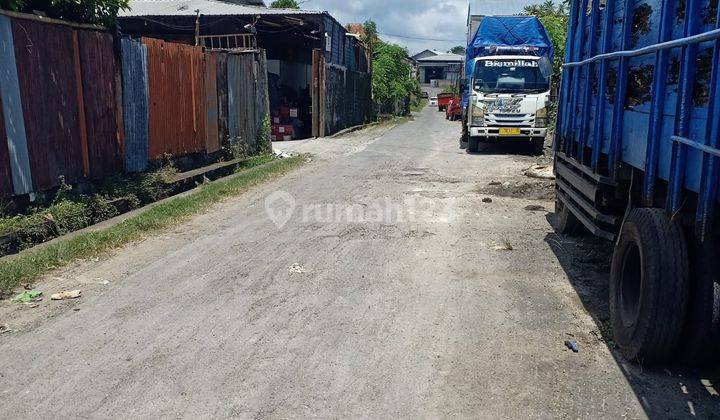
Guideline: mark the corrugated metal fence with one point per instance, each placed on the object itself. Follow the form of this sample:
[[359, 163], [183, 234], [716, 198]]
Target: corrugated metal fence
[[135, 104], [247, 99], [101, 84], [62, 115], [348, 100], [72, 109], [6, 187], [176, 80]]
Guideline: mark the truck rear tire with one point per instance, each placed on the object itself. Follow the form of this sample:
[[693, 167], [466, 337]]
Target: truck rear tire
[[473, 144], [649, 287], [565, 221], [700, 341]]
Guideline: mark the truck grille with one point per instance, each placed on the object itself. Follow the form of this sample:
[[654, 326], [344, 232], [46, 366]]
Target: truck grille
[[509, 120]]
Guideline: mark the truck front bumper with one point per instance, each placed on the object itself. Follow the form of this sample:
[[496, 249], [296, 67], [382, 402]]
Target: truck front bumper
[[494, 132]]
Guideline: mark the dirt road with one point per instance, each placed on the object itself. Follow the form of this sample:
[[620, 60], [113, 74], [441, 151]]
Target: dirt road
[[373, 282]]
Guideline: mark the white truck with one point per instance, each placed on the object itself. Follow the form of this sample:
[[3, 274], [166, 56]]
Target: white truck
[[507, 83]]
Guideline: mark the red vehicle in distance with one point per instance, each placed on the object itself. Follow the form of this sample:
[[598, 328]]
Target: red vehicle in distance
[[454, 110], [443, 100]]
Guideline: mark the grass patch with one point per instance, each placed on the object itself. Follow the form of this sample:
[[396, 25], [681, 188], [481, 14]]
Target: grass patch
[[418, 105], [64, 210], [31, 264], [606, 334], [254, 161]]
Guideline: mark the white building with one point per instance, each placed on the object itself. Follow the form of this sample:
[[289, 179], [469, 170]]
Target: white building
[[445, 68]]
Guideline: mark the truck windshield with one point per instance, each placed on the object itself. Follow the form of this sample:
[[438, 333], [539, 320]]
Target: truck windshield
[[509, 76]]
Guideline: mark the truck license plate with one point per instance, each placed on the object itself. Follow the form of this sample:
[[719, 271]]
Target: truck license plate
[[509, 131]]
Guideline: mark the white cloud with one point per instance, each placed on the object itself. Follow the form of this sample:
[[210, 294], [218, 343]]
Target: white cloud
[[441, 23]]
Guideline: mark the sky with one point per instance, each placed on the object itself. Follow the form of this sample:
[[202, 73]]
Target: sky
[[439, 24]]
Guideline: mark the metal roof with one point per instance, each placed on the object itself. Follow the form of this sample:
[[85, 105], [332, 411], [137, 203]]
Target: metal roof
[[206, 7], [250, 2], [452, 58]]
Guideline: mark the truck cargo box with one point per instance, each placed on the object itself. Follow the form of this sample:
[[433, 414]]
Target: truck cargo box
[[636, 162]]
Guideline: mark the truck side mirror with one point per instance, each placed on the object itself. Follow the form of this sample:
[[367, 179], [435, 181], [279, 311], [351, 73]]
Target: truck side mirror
[[479, 84]]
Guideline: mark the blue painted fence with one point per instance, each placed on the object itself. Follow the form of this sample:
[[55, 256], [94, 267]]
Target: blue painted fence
[[13, 112], [135, 104]]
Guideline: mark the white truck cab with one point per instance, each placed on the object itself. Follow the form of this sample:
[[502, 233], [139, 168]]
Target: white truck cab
[[509, 98]]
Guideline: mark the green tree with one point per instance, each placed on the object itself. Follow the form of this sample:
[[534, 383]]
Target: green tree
[[391, 81], [554, 16], [285, 4], [391, 77], [458, 50], [14, 5], [99, 12], [370, 35]]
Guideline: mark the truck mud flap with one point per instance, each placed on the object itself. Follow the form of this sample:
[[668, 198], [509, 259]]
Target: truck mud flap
[[577, 187]]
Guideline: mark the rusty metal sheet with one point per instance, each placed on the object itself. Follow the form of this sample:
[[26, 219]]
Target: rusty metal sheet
[[14, 125], [222, 95], [211, 112], [48, 88], [177, 98], [82, 126], [6, 187], [99, 67]]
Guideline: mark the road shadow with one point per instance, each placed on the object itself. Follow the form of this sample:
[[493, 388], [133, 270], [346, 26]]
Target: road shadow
[[667, 392], [504, 148]]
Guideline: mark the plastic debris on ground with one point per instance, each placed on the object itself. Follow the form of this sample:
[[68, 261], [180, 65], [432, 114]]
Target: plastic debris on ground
[[297, 269], [282, 154], [27, 296], [540, 172], [67, 294], [572, 345]]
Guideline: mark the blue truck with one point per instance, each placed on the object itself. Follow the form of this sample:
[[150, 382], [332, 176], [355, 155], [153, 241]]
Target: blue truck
[[637, 162], [507, 91]]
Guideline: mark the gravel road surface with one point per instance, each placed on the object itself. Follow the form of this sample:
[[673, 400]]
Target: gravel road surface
[[394, 275]]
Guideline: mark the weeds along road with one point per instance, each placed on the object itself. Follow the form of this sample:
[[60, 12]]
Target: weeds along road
[[383, 286]]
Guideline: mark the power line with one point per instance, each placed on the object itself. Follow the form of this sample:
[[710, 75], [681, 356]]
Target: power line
[[422, 39]]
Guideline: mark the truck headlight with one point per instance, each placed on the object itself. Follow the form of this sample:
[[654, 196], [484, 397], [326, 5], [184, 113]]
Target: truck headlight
[[478, 115], [541, 118]]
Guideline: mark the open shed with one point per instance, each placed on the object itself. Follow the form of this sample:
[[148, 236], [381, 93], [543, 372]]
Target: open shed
[[301, 46]]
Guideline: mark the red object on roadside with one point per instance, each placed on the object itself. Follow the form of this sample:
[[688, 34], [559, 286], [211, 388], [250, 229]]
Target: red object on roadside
[[454, 110], [285, 129], [443, 100]]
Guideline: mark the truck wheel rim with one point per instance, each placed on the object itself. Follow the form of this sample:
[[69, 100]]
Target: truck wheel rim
[[631, 285]]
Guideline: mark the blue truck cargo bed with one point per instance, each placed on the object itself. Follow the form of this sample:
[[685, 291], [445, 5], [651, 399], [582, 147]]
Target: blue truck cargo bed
[[637, 162], [640, 90]]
